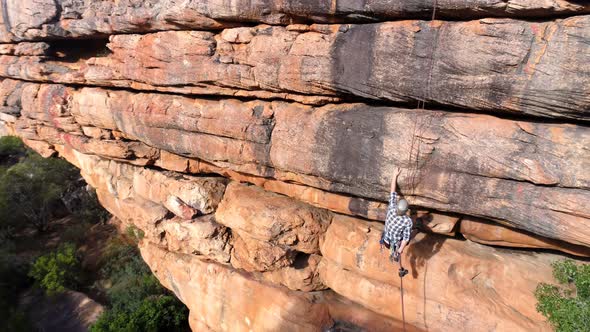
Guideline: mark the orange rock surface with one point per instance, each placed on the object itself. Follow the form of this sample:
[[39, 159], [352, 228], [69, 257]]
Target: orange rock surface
[[470, 286], [251, 144], [310, 146], [228, 300]]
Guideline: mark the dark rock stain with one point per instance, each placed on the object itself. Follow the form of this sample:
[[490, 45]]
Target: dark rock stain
[[354, 140], [5, 17], [352, 54], [358, 206]]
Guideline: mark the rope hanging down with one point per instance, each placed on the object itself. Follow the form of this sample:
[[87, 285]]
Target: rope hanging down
[[401, 282], [418, 129], [413, 174]]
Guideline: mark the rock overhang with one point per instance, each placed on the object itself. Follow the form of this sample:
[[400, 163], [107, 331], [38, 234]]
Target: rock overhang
[[258, 157]]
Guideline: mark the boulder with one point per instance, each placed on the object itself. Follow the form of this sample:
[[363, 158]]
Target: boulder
[[191, 194], [259, 255], [272, 218], [200, 236], [137, 215], [302, 275]]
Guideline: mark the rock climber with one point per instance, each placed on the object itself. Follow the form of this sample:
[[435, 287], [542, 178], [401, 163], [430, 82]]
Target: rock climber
[[398, 225]]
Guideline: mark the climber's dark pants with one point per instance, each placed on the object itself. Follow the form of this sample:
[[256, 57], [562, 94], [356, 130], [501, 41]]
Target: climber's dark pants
[[396, 257]]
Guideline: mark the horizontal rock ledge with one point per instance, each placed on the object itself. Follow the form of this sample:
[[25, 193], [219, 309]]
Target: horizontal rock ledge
[[545, 73], [494, 234], [49, 19], [238, 212], [529, 175], [439, 223]]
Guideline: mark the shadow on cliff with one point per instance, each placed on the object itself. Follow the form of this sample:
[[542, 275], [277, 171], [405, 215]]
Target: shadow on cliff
[[419, 252], [422, 250]]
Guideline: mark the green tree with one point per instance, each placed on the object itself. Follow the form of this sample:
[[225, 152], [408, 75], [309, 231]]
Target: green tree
[[130, 278], [567, 305], [30, 189], [57, 271]]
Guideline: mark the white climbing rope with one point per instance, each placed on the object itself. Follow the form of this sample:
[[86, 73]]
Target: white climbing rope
[[413, 175]]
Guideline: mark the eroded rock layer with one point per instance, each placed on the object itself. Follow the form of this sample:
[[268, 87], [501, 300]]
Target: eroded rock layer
[[252, 143], [521, 164], [455, 64], [39, 19]]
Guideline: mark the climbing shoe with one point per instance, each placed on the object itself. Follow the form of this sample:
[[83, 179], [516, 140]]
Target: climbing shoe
[[402, 272]]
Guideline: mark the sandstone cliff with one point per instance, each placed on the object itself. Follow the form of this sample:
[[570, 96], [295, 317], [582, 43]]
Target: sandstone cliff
[[253, 142]]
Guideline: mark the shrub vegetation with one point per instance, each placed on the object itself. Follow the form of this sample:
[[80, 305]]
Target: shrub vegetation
[[567, 305], [32, 188], [137, 300], [33, 191], [11, 146], [57, 271], [13, 279]]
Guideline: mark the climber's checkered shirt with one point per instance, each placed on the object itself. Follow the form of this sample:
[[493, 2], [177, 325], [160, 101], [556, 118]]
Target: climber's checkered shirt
[[397, 228]]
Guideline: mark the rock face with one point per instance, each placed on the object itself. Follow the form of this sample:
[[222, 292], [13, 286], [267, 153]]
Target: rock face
[[473, 288], [34, 19], [324, 63], [252, 144], [312, 146]]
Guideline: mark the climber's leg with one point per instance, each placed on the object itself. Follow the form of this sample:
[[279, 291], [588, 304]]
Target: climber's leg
[[402, 270]]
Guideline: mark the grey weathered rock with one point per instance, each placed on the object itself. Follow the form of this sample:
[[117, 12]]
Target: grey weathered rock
[[40, 19]]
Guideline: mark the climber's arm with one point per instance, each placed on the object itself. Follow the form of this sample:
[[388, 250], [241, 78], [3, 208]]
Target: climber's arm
[[392, 207], [396, 173], [402, 246]]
